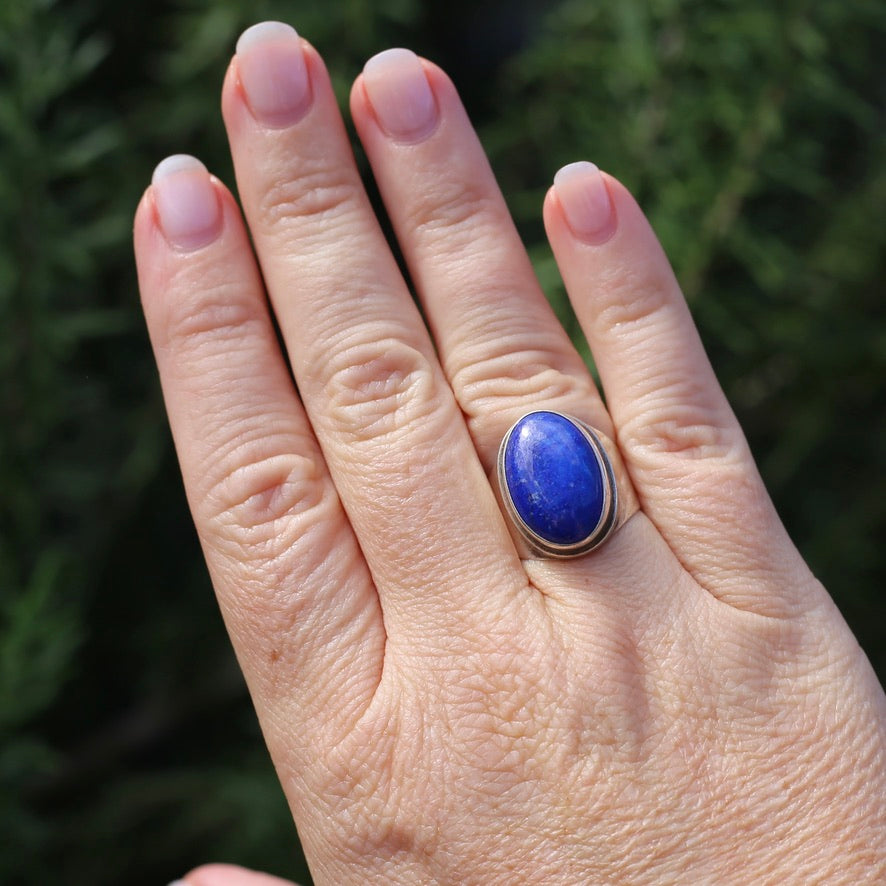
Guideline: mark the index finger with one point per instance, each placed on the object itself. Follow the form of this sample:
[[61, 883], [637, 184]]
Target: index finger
[[264, 505]]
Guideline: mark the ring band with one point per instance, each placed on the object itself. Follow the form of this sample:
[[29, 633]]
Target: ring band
[[563, 488]]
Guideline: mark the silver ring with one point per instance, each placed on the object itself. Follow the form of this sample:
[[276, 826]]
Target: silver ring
[[560, 486]]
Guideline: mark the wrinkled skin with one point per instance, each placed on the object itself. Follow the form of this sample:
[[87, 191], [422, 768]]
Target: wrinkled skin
[[683, 705]]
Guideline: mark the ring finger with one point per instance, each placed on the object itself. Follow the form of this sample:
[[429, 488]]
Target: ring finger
[[502, 347]]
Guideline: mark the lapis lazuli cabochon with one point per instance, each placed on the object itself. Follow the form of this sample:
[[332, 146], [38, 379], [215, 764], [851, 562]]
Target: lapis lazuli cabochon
[[554, 478]]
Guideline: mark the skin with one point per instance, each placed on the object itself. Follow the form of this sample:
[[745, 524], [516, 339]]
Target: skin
[[683, 705]]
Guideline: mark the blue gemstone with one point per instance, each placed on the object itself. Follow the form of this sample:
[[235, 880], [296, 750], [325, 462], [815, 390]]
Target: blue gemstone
[[554, 478]]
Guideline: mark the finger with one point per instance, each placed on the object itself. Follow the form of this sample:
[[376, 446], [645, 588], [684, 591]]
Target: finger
[[687, 455], [502, 347], [229, 875], [390, 430], [297, 598]]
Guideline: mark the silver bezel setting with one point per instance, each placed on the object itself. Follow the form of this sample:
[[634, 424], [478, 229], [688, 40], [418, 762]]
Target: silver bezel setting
[[609, 513]]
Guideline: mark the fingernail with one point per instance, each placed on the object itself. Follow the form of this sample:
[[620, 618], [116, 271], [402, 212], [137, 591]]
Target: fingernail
[[400, 94], [585, 200], [272, 69], [186, 201]]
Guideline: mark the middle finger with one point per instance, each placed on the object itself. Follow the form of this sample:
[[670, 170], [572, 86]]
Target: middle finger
[[389, 427]]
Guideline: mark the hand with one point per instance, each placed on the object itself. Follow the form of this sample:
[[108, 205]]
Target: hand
[[684, 704]]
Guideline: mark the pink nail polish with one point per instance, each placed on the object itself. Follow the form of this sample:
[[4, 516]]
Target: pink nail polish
[[400, 95], [273, 73], [186, 201], [586, 202]]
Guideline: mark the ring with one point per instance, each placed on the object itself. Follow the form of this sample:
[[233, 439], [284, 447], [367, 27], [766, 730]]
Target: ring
[[563, 488]]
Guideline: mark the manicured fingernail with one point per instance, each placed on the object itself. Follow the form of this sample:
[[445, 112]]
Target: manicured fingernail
[[400, 94], [586, 202], [186, 201], [178, 883], [271, 64]]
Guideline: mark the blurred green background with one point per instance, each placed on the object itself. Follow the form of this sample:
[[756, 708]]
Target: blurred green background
[[751, 132]]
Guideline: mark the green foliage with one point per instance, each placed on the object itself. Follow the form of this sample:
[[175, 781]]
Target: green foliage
[[752, 134]]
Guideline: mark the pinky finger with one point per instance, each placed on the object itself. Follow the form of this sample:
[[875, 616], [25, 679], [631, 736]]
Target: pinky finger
[[682, 444]]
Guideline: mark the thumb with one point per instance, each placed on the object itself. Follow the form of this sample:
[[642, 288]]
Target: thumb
[[228, 875]]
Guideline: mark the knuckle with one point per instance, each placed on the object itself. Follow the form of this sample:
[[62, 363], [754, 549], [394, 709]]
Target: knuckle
[[518, 374], [320, 191], [270, 523], [453, 207], [684, 430], [256, 504], [378, 388], [628, 297], [208, 311], [497, 385]]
